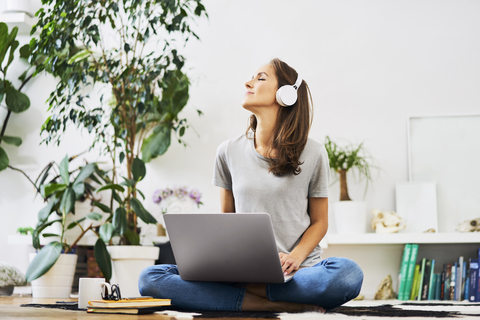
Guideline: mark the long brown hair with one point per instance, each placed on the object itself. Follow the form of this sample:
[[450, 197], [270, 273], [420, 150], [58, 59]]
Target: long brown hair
[[292, 125]]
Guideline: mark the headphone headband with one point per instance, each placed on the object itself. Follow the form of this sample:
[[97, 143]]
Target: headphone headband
[[298, 82]]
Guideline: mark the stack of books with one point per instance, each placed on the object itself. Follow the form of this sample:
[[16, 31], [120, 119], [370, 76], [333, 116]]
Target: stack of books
[[458, 280], [142, 305]]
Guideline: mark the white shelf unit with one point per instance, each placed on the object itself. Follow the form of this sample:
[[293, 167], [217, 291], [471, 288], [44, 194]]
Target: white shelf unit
[[402, 238], [22, 20]]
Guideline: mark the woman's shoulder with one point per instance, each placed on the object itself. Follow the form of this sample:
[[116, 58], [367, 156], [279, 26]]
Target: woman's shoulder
[[233, 143], [315, 147]]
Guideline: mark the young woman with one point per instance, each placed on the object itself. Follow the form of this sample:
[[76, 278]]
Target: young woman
[[273, 168]]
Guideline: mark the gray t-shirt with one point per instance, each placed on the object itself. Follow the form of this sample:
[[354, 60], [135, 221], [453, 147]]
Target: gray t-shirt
[[241, 169]]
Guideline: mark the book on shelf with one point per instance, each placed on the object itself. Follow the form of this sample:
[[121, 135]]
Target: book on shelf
[[448, 281], [411, 271], [129, 303], [402, 277], [139, 310], [442, 285], [438, 287], [416, 283], [420, 279], [458, 278], [431, 284], [453, 282], [426, 279], [477, 295]]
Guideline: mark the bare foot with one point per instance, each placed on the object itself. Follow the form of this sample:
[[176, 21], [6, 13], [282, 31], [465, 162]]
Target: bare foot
[[252, 302]]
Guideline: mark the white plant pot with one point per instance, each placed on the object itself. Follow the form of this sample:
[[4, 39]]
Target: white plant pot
[[19, 6], [350, 216], [127, 263], [57, 282]]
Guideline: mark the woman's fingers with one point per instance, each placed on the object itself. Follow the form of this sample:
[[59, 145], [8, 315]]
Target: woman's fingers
[[288, 264]]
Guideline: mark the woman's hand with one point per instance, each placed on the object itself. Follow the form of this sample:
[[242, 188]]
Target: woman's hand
[[289, 262]]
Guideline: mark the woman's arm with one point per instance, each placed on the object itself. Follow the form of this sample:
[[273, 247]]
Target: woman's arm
[[318, 210], [227, 202]]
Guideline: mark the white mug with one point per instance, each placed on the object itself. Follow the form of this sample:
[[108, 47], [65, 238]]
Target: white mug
[[89, 289]]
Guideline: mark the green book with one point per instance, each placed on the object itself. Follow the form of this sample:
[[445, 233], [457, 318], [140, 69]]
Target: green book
[[411, 272], [416, 282], [403, 271], [438, 289], [432, 285], [420, 282]]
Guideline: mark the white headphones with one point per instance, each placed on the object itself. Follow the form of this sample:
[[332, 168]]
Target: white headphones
[[287, 95]]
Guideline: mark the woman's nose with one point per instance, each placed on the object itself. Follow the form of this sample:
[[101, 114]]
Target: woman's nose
[[248, 84]]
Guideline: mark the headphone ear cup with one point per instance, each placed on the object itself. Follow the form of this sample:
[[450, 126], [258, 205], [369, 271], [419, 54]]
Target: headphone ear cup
[[286, 96]]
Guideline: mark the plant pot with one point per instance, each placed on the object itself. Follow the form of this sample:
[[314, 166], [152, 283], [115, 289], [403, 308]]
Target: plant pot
[[57, 282], [127, 263], [350, 216]]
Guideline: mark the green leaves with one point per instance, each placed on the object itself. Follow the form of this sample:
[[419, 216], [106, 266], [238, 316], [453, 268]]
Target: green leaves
[[111, 187], [16, 141], [106, 231], [3, 159], [7, 42], [103, 259], [81, 55], [16, 101], [157, 143], [141, 212], [44, 260], [67, 203], [120, 220], [64, 170], [138, 169], [85, 173], [347, 158]]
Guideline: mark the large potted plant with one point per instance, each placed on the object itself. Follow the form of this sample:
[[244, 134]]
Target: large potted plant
[[122, 51], [52, 269], [350, 216]]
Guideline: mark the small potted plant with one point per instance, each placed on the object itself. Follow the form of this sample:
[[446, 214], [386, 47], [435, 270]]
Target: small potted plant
[[55, 261], [351, 216]]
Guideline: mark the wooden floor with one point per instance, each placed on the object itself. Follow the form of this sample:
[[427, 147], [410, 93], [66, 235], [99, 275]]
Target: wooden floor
[[10, 309]]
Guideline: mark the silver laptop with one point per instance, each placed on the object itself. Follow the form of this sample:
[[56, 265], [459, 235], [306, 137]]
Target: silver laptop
[[225, 247]]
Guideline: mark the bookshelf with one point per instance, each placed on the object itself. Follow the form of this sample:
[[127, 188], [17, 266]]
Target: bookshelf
[[379, 255], [402, 238]]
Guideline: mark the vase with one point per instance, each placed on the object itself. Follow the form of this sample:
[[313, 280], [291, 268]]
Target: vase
[[127, 264], [58, 281], [350, 216]]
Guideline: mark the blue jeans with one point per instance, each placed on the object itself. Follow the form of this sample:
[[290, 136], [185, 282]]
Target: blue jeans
[[328, 284]]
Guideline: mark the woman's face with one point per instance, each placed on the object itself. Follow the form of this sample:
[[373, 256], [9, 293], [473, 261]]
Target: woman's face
[[261, 89]]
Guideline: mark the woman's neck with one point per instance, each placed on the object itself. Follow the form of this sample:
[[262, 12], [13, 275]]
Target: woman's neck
[[264, 136]]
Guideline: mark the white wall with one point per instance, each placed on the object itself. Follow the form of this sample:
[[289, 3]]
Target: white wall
[[369, 65]]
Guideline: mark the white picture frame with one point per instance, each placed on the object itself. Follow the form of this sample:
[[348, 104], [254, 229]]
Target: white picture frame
[[445, 149], [417, 203]]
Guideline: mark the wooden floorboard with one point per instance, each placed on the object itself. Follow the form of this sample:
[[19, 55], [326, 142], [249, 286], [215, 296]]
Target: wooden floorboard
[[10, 309]]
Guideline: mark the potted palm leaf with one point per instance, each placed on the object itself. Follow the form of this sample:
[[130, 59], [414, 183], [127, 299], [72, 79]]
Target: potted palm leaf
[[350, 216], [52, 269], [123, 52]]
